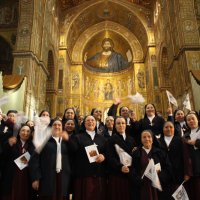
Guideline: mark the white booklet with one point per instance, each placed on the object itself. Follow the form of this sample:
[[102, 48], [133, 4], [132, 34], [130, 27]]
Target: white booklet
[[158, 167], [92, 152], [125, 158], [22, 161]]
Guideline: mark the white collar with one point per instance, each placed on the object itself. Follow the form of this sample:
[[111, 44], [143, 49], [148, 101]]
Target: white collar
[[168, 139], [57, 139], [91, 133], [123, 135], [110, 133], [23, 143], [98, 124], [182, 123], [151, 118], [194, 135], [128, 121], [146, 150], [58, 154]]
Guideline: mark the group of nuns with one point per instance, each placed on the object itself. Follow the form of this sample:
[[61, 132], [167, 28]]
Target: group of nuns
[[62, 170]]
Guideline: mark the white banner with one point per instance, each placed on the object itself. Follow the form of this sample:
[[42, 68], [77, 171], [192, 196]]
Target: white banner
[[187, 103], [124, 157], [151, 173], [171, 98], [180, 194]]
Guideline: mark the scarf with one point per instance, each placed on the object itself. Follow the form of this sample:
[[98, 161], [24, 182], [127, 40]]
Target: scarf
[[58, 154]]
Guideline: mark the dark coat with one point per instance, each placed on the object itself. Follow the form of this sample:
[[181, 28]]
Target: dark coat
[[43, 168], [106, 133], [194, 182], [178, 154], [82, 167], [10, 153], [101, 128], [158, 156], [113, 110], [144, 124], [113, 161], [130, 128], [177, 127], [6, 131], [194, 154], [156, 127]]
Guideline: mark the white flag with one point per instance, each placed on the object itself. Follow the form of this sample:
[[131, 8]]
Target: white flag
[[151, 173], [187, 103], [4, 100], [180, 194], [124, 157], [21, 118], [42, 132], [171, 98], [137, 98]]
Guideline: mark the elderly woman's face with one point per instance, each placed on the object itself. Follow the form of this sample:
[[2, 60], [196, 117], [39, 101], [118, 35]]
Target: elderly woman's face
[[179, 116], [147, 139], [120, 125], [192, 121], [168, 129], [57, 128], [90, 123], [97, 114], [110, 122]]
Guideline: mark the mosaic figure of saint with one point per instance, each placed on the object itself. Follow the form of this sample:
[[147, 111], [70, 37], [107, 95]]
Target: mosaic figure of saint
[[107, 60]]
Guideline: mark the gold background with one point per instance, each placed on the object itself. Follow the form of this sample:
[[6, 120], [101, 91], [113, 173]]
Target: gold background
[[52, 37]]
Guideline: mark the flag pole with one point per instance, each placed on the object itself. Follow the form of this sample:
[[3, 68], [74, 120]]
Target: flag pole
[[183, 182]]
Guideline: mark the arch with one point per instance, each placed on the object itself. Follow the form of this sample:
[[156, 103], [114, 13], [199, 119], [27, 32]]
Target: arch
[[70, 29], [82, 41], [6, 57]]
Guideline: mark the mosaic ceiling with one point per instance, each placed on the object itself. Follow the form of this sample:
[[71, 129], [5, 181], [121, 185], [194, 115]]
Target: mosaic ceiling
[[78, 16], [67, 4]]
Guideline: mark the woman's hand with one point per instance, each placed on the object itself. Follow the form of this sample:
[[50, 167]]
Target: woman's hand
[[169, 110], [65, 136], [133, 116], [35, 184], [191, 142], [125, 169], [186, 178], [12, 141], [100, 158], [117, 101]]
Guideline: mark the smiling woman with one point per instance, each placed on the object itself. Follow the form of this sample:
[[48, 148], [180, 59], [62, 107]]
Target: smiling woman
[[178, 154], [15, 182], [151, 121], [50, 170], [89, 182], [192, 137], [141, 158], [119, 173]]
